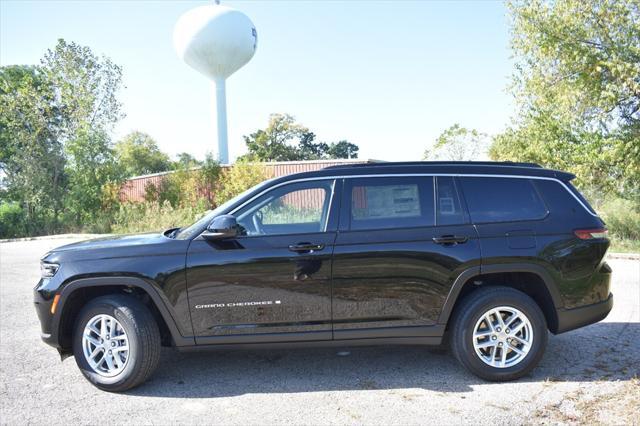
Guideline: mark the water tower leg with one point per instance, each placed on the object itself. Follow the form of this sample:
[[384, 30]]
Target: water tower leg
[[221, 111]]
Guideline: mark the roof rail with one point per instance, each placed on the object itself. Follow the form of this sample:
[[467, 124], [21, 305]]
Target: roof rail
[[437, 163]]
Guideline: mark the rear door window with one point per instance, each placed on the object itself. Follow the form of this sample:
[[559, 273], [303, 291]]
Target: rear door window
[[502, 199], [387, 203]]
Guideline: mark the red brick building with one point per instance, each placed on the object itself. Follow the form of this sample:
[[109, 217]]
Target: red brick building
[[134, 188]]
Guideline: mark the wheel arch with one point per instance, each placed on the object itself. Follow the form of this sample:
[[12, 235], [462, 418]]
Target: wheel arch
[[520, 276], [76, 292]]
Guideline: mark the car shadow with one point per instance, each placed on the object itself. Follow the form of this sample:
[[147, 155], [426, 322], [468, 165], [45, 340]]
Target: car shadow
[[603, 351]]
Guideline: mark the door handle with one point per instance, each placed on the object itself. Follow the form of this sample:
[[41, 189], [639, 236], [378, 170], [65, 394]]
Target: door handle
[[306, 247], [448, 240]]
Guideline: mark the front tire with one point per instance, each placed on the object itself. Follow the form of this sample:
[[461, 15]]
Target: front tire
[[499, 333], [116, 342]]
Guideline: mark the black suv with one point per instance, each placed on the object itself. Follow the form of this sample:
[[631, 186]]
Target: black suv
[[487, 255]]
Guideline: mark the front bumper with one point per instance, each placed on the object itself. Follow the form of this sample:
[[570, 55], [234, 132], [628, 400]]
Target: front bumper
[[42, 301], [570, 319]]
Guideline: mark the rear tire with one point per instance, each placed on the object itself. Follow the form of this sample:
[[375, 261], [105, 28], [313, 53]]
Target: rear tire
[[116, 342], [484, 344]]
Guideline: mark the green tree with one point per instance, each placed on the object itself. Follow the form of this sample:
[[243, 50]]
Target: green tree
[[276, 142], [85, 91], [86, 87], [309, 149], [209, 177], [342, 149], [138, 154], [286, 140], [184, 159], [31, 151], [457, 143], [55, 121], [91, 166], [577, 85]]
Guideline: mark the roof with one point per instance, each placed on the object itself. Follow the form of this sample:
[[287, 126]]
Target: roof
[[439, 167], [446, 163]]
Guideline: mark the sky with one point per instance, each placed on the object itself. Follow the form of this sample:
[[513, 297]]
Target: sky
[[389, 76]]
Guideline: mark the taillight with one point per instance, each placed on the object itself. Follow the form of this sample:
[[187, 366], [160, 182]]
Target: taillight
[[591, 234]]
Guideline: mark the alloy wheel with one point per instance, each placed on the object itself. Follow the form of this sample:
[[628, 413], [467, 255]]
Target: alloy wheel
[[502, 337], [105, 345]]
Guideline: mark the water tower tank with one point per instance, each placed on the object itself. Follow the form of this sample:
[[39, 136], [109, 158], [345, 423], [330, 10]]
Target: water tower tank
[[216, 41]]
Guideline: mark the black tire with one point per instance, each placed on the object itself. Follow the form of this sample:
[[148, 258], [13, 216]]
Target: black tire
[[469, 312], [143, 335]]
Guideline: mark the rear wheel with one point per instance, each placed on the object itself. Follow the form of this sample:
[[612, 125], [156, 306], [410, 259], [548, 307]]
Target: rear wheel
[[499, 333], [116, 342]]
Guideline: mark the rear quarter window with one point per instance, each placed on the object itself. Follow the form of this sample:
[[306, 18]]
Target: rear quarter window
[[581, 197], [561, 200], [502, 199]]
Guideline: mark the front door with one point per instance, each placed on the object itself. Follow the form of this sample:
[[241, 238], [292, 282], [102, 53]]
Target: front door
[[274, 283], [402, 243]]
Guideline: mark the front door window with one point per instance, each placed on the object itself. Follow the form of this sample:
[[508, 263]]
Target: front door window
[[298, 208]]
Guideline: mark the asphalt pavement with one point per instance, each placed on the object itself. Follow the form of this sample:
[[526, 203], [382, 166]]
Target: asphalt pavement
[[587, 375]]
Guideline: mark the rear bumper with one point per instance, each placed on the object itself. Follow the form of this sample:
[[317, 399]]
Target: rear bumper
[[570, 319]]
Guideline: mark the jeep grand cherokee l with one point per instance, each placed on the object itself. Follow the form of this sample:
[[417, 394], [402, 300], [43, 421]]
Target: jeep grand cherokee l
[[491, 255]]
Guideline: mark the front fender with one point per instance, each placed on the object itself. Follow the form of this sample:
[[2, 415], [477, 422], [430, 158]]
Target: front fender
[[180, 338]]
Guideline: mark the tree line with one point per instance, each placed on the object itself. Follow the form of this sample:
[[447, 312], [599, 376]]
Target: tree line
[[59, 168], [576, 86]]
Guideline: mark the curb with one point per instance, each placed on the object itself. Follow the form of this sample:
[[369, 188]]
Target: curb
[[627, 256], [54, 237]]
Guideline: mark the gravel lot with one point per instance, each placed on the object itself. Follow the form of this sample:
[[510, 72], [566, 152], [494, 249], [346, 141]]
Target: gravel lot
[[588, 375]]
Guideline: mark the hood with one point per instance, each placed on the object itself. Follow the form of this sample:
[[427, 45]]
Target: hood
[[112, 242], [120, 246]]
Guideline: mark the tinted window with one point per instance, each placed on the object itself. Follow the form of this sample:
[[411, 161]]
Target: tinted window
[[385, 203], [502, 199], [291, 209], [448, 206], [580, 197]]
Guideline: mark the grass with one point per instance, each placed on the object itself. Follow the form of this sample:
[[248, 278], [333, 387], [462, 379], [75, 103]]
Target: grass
[[624, 245]]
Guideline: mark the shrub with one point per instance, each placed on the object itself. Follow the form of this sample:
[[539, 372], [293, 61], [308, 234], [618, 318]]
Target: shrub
[[12, 220], [622, 218], [237, 179], [186, 186], [153, 216]]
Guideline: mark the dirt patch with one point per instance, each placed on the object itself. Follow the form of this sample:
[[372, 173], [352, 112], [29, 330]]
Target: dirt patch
[[588, 406]]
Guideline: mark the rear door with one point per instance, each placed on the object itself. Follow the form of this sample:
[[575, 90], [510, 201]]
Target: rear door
[[402, 241]]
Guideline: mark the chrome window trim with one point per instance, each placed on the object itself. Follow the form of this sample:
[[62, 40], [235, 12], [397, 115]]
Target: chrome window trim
[[330, 207], [388, 175]]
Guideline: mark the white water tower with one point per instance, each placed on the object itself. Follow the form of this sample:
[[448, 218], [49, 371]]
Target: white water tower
[[217, 41]]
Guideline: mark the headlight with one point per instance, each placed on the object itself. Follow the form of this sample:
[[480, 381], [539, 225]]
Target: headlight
[[48, 270]]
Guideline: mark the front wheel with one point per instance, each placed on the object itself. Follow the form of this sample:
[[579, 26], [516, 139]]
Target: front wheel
[[116, 342], [499, 333]]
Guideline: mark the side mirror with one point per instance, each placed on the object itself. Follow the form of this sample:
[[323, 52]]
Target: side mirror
[[222, 228]]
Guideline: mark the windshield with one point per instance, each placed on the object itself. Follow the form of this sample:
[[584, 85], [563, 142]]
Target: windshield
[[201, 224]]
